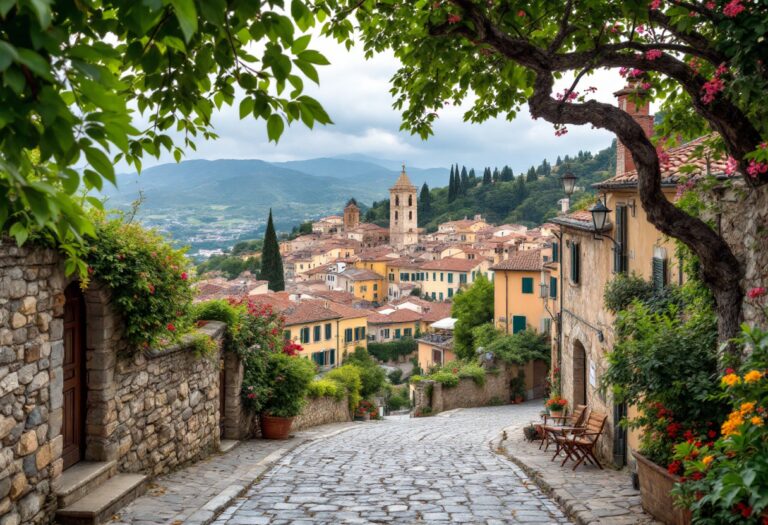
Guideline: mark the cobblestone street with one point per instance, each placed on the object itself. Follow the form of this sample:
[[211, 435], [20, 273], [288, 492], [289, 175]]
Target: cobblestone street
[[401, 470]]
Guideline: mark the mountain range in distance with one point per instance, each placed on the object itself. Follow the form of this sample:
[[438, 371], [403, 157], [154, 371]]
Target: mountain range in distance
[[211, 204]]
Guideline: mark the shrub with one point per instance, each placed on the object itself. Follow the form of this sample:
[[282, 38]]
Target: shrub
[[204, 346], [216, 310], [623, 289], [392, 350], [288, 379], [326, 388], [398, 399], [521, 347], [445, 378], [372, 376], [348, 376], [472, 371], [147, 278], [395, 376], [416, 378]]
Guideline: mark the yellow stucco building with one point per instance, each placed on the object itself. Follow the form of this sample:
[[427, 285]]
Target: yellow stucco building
[[516, 296], [444, 277], [364, 284]]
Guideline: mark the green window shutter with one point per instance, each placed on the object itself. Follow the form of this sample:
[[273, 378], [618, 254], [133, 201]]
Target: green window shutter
[[397, 333], [408, 332], [450, 292], [375, 287], [553, 287], [305, 335], [362, 332], [287, 335], [620, 264], [450, 277], [317, 333], [659, 273], [575, 262], [518, 323], [348, 335], [555, 252], [357, 334], [328, 331], [332, 359], [527, 284]]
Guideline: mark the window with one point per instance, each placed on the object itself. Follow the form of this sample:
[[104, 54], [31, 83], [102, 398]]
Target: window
[[441, 276], [328, 331], [450, 292], [362, 332], [434, 276], [410, 213], [305, 335], [410, 200], [659, 272], [395, 215], [348, 335], [434, 296], [397, 333], [397, 202], [385, 333], [441, 296], [363, 288], [518, 323], [357, 333], [450, 277], [620, 262], [287, 335], [375, 287], [553, 287], [408, 332], [527, 284], [324, 358], [555, 252], [391, 277], [317, 333], [575, 262]]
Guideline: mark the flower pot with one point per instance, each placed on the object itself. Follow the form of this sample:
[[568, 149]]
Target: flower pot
[[364, 417], [656, 486], [273, 427], [519, 399], [556, 413]]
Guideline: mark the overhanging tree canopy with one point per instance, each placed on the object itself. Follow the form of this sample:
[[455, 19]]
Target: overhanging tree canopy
[[703, 60]]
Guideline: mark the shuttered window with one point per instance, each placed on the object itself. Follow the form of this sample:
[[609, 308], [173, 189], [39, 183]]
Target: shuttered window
[[317, 333], [518, 323], [575, 262], [328, 331], [305, 335], [555, 252], [527, 284], [659, 269], [620, 249], [553, 287], [348, 335]]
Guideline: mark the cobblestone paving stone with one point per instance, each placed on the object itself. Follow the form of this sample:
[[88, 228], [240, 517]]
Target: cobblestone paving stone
[[590, 496], [196, 494], [428, 470]]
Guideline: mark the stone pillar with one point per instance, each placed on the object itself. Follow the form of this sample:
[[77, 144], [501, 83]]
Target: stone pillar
[[238, 422]]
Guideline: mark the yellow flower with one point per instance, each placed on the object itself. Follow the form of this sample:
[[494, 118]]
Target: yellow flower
[[747, 407], [753, 376], [731, 426], [730, 380], [707, 460], [757, 421]]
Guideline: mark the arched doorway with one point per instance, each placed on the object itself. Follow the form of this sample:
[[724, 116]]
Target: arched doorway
[[73, 427], [579, 374]]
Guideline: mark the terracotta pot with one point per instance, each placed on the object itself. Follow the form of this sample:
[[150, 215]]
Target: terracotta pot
[[519, 399], [273, 427], [364, 417], [656, 486], [556, 413]]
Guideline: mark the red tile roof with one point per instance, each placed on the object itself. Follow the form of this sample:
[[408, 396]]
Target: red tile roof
[[528, 260], [697, 158], [360, 274], [452, 264], [404, 315], [436, 312], [347, 312]]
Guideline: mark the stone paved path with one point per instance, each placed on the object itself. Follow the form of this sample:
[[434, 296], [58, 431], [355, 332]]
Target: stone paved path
[[428, 470], [196, 494], [590, 495]]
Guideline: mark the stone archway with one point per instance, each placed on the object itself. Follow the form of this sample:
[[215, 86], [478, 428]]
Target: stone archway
[[579, 395]]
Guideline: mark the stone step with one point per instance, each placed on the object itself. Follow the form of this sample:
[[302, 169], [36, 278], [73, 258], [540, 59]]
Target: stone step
[[99, 506], [227, 444], [81, 479]]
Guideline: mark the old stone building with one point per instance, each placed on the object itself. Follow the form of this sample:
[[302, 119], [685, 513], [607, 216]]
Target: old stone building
[[403, 213], [351, 215]]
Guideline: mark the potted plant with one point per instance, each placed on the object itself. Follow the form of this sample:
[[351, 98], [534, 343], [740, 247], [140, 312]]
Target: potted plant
[[364, 411], [517, 388], [556, 406], [530, 432], [288, 379]]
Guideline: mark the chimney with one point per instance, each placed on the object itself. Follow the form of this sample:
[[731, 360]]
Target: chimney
[[641, 113]]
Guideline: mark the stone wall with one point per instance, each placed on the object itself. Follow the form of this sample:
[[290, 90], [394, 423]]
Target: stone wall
[[321, 411], [31, 352], [167, 407], [238, 422]]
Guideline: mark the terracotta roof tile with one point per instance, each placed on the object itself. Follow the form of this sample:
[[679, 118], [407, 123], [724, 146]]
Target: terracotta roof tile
[[452, 264], [360, 274], [347, 312], [403, 315], [528, 260]]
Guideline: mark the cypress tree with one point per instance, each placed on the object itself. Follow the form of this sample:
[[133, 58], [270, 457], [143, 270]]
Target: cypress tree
[[271, 261], [496, 175], [531, 176], [487, 176], [507, 174], [558, 161], [472, 176], [451, 187], [464, 180], [424, 201]]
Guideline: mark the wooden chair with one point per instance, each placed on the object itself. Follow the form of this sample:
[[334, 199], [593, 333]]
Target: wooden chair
[[549, 431], [579, 443]]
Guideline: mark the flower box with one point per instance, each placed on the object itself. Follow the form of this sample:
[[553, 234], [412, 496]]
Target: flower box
[[656, 486]]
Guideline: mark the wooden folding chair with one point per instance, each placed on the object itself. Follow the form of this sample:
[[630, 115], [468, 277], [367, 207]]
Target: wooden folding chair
[[575, 420], [579, 444]]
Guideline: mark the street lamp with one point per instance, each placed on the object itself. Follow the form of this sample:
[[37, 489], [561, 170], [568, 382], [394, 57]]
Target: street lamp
[[599, 215], [568, 181], [543, 290]]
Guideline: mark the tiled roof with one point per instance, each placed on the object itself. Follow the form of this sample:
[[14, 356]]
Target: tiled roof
[[404, 263], [403, 182], [359, 274], [452, 264], [403, 315], [436, 312], [581, 220], [528, 260], [689, 155], [336, 296], [347, 312]]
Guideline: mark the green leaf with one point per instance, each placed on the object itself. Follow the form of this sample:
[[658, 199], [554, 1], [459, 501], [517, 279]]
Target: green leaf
[[246, 106], [19, 232], [36, 63], [8, 55], [101, 163], [42, 9], [300, 44], [314, 57], [308, 69], [93, 179], [6, 6], [186, 13], [275, 127]]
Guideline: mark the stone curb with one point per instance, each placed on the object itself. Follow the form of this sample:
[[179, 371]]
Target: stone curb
[[566, 504], [211, 509]]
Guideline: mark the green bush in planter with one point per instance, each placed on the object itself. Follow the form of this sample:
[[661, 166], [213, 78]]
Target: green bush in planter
[[288, 379], [348, 376]]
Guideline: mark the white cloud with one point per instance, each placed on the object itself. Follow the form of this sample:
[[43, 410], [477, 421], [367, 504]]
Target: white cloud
[[355, 92]]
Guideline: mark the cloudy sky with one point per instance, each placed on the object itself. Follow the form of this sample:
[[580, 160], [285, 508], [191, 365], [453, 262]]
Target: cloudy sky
[[355, 92]]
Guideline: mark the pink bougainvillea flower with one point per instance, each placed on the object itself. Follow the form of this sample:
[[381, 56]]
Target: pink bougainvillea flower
[[655, 4], [170, 327], [759, 291], [646, 86], [653, 54], [454, 19], [711, 88], [184, 276], [731, 165], [733, 8], [521, 13], [756, 169], [710, 5]]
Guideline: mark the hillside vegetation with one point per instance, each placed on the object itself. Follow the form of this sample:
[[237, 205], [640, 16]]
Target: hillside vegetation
[[502, 196]]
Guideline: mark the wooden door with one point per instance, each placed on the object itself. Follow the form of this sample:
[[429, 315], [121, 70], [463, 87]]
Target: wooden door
[[73, 427]]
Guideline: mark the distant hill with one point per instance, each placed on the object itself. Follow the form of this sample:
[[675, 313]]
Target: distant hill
[[213, 203]]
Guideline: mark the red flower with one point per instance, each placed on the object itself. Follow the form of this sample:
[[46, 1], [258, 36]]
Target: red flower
[[454, 19], [171, 327], [733, 8], [90, 270], [521, 13], [183, 276], [151, 288], [697, 476], [688, 435], [675, 467], [754, 293], [711, 434]]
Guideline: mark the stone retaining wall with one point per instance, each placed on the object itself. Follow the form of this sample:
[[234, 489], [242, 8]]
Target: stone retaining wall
[[321, 411], [167, 406], [31, 352]]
